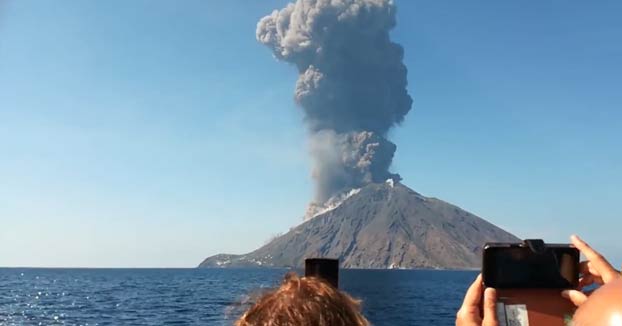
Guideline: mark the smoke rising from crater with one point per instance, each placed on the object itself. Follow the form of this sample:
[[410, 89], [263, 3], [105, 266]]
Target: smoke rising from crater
[[351, 85]]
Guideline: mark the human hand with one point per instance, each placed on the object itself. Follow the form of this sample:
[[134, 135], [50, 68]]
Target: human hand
[[595, 270], [470, 313]]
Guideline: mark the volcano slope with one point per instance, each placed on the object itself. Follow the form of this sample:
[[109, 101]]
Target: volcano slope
[[384, 225]]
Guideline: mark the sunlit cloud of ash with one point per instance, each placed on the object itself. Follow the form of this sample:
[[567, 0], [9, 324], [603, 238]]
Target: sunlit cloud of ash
[[351, 85]]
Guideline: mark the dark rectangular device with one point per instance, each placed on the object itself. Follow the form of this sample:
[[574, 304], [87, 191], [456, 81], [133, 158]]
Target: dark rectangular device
[[530, 265], [324, 268]]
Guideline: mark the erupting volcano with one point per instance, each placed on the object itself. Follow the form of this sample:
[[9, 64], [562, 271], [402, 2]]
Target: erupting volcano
[[352, 87]]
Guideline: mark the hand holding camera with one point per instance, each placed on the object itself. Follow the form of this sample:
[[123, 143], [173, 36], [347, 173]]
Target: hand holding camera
[[470, 314], [595, 270], [526, 277]]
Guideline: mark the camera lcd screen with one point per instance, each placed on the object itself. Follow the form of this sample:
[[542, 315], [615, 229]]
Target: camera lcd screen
[[520, 267]]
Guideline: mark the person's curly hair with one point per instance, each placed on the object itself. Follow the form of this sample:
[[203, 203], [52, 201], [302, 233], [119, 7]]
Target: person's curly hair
[[304, 301]]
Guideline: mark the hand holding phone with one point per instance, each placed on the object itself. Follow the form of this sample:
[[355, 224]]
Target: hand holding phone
[[596, 270], [530, 265], [475, 313], [528, 278]]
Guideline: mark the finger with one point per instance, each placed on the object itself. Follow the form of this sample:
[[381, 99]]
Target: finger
[[490, 311], [576, 297], [591, 269], [596, 261], [584, 267], [594, 274], [474, 293], [590, 273], [586, 280], [584, 248], [597, 274]]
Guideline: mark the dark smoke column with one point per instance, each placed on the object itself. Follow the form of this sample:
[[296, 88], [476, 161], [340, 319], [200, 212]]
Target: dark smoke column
[[351, 85]]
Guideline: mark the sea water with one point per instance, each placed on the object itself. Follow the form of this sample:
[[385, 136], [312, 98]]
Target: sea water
[[211, 296]]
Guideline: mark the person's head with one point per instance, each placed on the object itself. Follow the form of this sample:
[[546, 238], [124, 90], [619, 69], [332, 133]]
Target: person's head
[[602, 308], [304, 301]]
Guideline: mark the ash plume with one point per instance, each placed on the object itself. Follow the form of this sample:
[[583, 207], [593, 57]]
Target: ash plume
[[351, 85]]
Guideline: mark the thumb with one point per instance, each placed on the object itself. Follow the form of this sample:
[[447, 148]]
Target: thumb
[[577, 297], [490, 308]]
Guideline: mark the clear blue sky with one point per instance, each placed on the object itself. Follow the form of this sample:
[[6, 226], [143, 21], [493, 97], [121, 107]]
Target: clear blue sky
[[156, 133]]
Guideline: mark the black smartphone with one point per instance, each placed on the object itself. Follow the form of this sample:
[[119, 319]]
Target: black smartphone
[[519, 266]]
